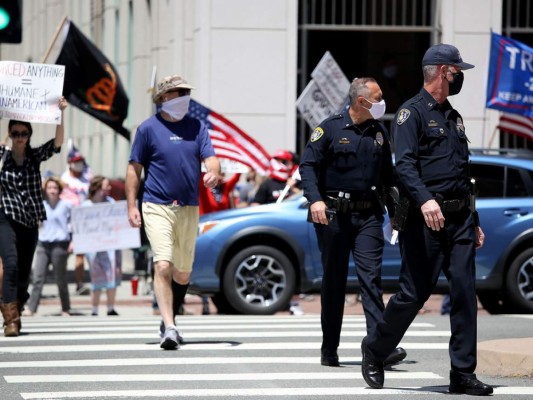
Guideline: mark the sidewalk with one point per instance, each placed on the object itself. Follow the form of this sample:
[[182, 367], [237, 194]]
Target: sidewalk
[[495, 357]]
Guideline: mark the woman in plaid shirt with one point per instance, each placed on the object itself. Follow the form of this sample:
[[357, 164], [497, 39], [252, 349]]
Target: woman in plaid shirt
[[21, 211]]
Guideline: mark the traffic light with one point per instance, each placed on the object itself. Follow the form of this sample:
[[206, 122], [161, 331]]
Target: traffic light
[[10, 21]]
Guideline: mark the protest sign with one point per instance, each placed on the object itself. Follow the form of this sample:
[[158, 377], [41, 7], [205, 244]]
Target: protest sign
[[313, 105], [510, 79], [325, 94], [101, 227], [331, 81], [30, 91]]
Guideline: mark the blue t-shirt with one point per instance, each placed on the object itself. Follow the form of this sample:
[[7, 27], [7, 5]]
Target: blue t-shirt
[[171, 154]]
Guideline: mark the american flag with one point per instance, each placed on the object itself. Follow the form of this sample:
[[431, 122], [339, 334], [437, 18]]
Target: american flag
[[229, 141], [517, 124]]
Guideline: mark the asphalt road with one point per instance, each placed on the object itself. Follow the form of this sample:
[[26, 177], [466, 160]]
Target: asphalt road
[[229, 357]]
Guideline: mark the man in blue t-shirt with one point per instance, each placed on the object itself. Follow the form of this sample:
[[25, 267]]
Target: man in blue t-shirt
[[170, 147]]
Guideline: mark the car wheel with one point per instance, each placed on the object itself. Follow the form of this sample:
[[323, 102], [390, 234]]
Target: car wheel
[[259, 280], [519, 283]]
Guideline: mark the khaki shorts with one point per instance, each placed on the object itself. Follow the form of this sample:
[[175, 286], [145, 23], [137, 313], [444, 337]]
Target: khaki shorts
[[172, 231]]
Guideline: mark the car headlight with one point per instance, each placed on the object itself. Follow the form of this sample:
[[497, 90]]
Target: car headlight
[[204, 227]]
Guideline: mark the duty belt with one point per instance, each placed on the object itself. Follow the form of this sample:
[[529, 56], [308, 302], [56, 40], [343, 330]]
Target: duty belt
[[453, 205], [353, 205]]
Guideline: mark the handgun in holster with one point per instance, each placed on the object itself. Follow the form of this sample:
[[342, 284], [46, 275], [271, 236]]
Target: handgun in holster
[[378, 199], [473, 202], [401, 214]]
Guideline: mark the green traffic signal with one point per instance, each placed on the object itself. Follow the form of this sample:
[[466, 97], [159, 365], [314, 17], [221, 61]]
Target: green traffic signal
[[4, 18]]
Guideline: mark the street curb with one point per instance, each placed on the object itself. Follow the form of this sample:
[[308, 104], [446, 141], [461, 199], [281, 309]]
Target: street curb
[[506, 357]]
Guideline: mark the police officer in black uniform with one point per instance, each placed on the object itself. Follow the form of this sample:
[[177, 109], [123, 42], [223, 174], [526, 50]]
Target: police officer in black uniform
[[441, 231], [346, 168]]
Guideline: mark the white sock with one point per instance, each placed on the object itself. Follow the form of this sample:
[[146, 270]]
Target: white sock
[[95, 310]]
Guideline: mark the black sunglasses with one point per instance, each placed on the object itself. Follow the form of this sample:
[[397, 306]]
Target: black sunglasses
[[181, 92], [20, 134]]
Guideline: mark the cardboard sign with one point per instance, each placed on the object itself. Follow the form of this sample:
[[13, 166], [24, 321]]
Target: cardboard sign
[[331, 81], [102, 227], [30, 92]]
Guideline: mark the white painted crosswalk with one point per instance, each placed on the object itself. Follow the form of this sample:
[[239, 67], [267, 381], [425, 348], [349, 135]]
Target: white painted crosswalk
[[223, 357]]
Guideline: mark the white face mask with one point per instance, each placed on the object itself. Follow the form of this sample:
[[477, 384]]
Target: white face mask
[[377, 110], [177, 108]]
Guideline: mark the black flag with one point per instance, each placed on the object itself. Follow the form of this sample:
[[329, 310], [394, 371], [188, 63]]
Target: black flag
[[91, 81]]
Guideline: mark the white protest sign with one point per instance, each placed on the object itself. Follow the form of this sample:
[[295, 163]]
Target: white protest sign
[[101, 227], [313, 105], [30, 91], [331, 81]]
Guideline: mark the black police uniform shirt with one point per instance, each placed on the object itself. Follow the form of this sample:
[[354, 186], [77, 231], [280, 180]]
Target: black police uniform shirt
[[431, 149], [343, 157]]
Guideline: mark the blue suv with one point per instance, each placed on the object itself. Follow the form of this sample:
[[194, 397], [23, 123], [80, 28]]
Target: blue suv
[[252, 260]]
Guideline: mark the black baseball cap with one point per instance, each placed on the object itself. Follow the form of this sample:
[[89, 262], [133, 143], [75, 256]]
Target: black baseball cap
[[444, 54]]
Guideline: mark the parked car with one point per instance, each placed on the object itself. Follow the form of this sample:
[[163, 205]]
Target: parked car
[[252, 260]]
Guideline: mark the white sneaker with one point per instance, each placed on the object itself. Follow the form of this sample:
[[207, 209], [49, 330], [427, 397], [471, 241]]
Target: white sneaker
[[162, 332], [296, 310], [169, 341]]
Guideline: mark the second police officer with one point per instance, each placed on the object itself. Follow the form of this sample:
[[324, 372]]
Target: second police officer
[[441, 230], [346, 167]]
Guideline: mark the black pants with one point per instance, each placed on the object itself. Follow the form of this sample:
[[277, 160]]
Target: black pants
[[425, 253], [361, 234], [17, 246]]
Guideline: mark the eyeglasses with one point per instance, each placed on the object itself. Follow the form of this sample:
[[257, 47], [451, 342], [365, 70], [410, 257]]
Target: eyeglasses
[[181, 92], [20, 134]]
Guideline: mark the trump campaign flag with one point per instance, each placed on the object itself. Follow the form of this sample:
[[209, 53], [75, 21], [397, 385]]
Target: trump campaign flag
[[510, 81], [92, 82], [229, 141]]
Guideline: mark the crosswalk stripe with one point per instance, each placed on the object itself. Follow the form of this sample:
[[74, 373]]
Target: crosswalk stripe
[[116, 362], [206, 335], [205, 323], [264, 392], [263, 376], [225, 345]]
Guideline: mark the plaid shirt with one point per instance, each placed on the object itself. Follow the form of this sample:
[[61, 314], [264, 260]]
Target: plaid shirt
[[22, 198]]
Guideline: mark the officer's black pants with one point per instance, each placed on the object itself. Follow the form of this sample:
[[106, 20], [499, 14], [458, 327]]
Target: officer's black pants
[[424, 254], [362, 235]]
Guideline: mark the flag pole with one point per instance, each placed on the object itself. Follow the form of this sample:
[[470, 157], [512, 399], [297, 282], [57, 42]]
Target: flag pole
[[492, 137], [54, 38]]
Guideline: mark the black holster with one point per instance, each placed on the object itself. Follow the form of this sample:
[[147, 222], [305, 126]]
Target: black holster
[[401, 215]]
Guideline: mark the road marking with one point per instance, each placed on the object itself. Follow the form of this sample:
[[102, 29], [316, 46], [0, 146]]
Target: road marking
[[260, 334], [224, 345], [263, 392], [193, 321], [83, 363], [262, 376]]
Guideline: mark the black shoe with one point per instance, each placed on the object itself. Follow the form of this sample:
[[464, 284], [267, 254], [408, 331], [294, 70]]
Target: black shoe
[[468, 385], [112, 312], [372, 370], [329, 358], [397, 355]]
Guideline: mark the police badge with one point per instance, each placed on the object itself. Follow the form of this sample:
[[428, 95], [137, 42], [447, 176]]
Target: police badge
[[379, 138], [403, 115], [317, 134]]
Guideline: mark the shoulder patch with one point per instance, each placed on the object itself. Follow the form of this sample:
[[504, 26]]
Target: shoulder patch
[[317, 134], [403, 115]]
